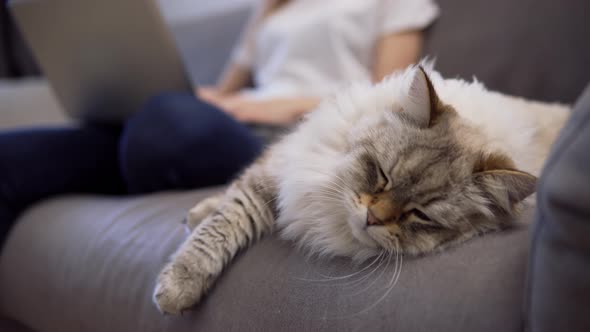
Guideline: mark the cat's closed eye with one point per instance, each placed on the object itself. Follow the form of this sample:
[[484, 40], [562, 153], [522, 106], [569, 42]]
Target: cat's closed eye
[[419, 214], [382, 180], [425, 224]]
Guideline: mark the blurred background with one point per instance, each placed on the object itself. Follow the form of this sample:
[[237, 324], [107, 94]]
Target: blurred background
[[26, 99], [532, 48], [16, 59]]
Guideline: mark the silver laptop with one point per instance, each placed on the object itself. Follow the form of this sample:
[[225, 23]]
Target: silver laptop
[[103, 58]]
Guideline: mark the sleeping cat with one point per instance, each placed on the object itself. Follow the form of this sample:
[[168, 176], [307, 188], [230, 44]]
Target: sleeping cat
[[411, 165]]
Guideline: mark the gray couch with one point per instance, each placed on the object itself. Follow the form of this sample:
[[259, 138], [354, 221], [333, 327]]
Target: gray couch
[[88, 263]]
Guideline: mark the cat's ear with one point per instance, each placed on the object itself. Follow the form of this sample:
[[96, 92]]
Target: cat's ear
[[506, 186], [421, 105]]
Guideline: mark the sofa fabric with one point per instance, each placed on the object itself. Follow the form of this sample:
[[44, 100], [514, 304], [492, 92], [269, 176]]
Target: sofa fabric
[[85, 263], [558, 297], [536, 49], [8, 325]]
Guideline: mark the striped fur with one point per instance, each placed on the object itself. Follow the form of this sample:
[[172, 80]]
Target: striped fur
[[409, 165], [243, 214]]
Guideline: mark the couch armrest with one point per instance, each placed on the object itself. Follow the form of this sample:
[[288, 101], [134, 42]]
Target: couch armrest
[[558, 296]]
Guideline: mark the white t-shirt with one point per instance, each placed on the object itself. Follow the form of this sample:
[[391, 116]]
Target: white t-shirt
[[312, 47]]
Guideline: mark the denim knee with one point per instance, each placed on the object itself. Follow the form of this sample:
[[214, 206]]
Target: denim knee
[[178, 141]]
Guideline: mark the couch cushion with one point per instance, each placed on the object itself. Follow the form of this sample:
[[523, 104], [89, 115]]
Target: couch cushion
[[86, 263], [532, 48]]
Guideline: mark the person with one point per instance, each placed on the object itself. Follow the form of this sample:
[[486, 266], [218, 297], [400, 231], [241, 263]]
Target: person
[[294, 51]]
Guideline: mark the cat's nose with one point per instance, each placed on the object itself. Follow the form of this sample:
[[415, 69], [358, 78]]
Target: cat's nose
[[372, 220], [374, 217]]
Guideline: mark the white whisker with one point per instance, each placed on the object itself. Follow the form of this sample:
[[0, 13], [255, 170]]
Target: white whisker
[[392, 283], [366, 276], [335, 278], [376, 278]]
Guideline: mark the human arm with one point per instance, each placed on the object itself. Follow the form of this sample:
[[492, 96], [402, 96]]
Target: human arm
[[273, 111], [238, 72], [396, 51], [234, 78], [392, 52], [400, 34]]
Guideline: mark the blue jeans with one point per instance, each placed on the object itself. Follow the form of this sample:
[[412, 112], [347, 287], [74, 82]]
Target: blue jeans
[[174, 142]]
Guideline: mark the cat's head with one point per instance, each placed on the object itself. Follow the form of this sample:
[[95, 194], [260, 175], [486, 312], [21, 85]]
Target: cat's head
[[412, 180]]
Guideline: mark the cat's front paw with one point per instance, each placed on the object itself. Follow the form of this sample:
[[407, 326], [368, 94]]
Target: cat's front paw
[[178, 288], [201, 211]]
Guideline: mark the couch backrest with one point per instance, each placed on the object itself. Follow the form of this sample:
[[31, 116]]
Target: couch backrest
[[537, 49]]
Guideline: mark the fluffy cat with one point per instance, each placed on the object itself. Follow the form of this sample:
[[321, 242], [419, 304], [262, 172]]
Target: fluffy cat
[[413, 164]]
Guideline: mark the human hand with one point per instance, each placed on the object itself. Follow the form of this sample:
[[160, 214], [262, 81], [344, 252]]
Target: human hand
[[276, 111], [210, 94], [273, 111]]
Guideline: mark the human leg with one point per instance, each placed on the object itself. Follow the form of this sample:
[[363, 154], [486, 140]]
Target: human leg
[[180, 142], [41, 162]]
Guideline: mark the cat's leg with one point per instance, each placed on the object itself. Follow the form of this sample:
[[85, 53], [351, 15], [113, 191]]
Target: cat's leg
[[244, 214], [200, 211]]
